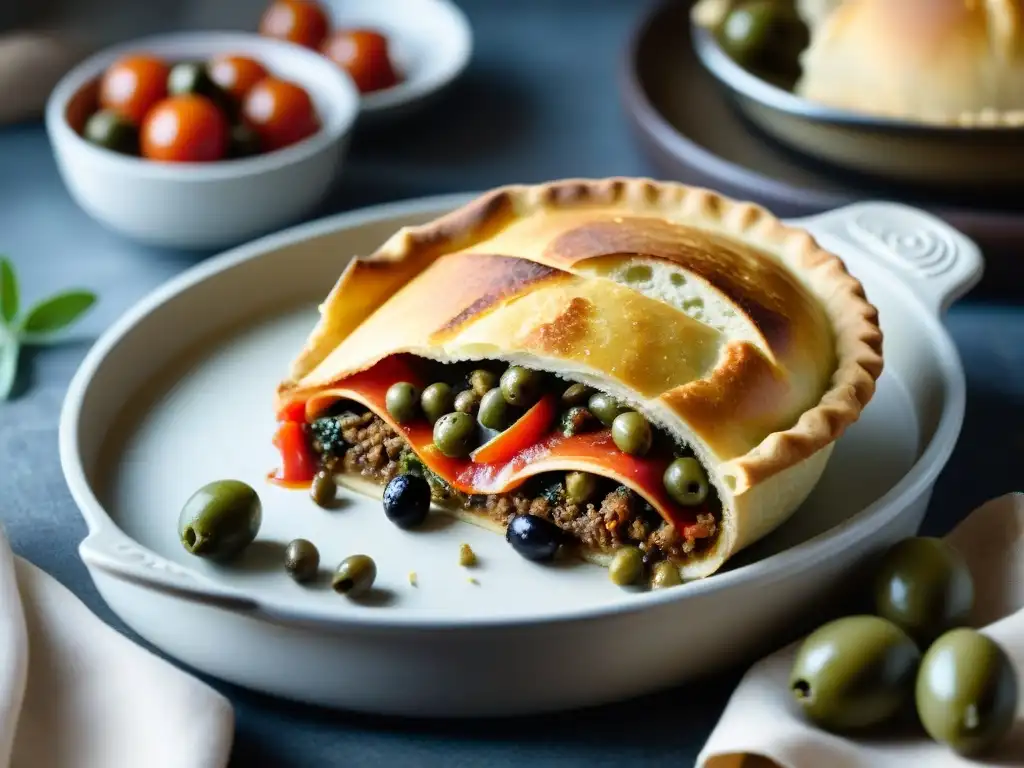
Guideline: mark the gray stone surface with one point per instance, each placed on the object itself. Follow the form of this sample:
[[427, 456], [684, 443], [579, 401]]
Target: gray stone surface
[[539, 101]]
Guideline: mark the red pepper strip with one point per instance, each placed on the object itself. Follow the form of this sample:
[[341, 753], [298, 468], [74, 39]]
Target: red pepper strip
[[293, 411], [528, 430], [298, 464]]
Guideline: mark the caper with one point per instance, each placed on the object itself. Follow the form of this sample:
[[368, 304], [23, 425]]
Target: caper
[[483, 381], [521, 386], [467, 401], [402, 401], [324, 489], [605, 407], [854, 672], [664, 575], [966, 691], [455, 434], [685, 481], [355, 575], [108, 129], [494, 411], [437, 400], [579, 487], [924, 586], [220, 519], [627, 566], [576, 394], [301, 560], [632, 433]]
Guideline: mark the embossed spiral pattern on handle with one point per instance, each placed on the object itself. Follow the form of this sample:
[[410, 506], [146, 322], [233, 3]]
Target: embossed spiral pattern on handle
[[139, 556], [908, 241]]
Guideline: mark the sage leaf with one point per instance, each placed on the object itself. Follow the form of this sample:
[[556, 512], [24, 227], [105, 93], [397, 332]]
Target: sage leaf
[[57, 312], [8, 291]]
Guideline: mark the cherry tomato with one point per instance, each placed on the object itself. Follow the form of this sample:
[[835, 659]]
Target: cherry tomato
[[132, 85], [298, 21], [280, 111], [236, 74], [362, 53], [185, 129]]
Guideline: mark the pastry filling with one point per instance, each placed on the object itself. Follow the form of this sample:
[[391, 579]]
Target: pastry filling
[[499, 441]]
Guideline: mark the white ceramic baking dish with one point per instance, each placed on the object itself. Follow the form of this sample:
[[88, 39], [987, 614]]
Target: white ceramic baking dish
[[178, 392]]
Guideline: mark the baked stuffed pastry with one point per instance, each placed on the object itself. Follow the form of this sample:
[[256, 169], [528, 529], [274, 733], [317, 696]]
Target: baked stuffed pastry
[[727, 351]]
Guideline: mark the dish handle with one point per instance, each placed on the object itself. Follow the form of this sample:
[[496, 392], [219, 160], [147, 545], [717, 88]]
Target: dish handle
[[938, 263], [114, 554]]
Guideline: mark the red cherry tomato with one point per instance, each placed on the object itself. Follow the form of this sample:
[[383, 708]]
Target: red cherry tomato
[[298, 21], [236, 74], [362, 53], [132, 85], [185, 129], [280, 111], [298, 463], [527, 431]]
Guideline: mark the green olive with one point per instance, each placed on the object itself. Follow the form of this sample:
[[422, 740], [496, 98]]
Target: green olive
[[685, 481], [402, 401], [966, 691], [455, 434], [355, 576], [580, 487], [605, 407], [854, 672], [191, 77], [323, 489], [632, 433], [437, 400], [301, 560], [924, 586], [763, 34], [494, 411], [110, 130], [576, 394], [220, 520], [483, 381], [664, 575], [521, 386], [627, 566], [467, 401], [245, 142]]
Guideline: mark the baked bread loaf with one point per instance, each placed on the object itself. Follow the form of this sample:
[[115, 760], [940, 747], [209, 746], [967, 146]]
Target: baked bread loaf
[[937, 61], [744, 347]]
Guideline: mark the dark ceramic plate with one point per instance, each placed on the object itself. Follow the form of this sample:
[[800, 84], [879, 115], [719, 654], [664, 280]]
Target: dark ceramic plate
[[692, 132]]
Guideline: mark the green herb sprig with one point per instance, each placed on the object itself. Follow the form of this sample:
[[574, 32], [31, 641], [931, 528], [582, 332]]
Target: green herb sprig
[[40, 325]]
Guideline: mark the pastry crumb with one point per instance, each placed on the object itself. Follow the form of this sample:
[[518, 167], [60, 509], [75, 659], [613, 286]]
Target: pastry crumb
[[414, 579], [473, 581], [467, 557]]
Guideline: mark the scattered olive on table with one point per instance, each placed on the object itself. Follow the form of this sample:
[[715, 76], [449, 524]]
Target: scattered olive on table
[[467, 557], [403, 402], [407, 500], [966, 691], [467, 401], [580, 487], [534, 537], [355, 576], [626, 567], [686, 482], [494, 410], [437, 400], [521, 386], [323, 489], [665, 574], [854, 672], [605, 407], [482, 381], [220, 520], [632, 433], [301, 560], [924, 586]]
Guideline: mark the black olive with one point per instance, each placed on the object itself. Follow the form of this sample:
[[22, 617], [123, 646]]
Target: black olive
[[534, 537], [407, 500]]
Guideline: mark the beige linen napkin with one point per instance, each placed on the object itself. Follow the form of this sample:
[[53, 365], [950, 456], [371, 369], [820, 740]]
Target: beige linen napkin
[[761, 726], [76, 694]]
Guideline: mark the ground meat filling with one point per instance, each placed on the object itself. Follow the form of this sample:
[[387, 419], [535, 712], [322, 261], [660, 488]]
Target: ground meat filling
[[363, 444]]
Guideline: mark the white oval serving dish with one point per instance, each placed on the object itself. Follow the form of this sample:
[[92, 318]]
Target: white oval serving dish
[[179, 392]]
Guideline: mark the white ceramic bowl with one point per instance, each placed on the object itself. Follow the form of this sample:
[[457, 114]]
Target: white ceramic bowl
[[153, 414], [430, 41], [203, 205]]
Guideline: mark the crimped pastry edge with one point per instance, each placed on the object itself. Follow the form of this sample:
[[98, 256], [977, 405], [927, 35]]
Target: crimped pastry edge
[[858, 338]]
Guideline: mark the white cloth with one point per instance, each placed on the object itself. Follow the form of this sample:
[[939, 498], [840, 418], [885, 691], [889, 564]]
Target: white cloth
[[74, 693], [761, 726]]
